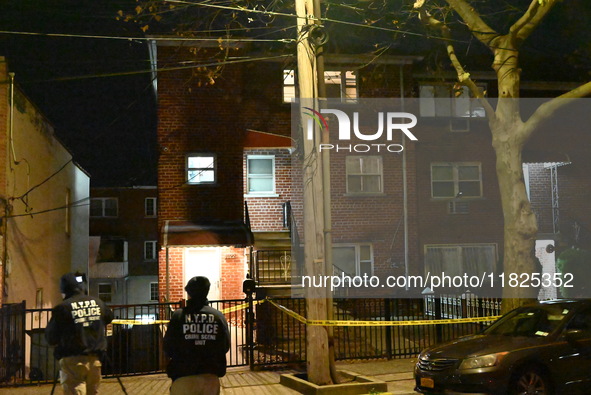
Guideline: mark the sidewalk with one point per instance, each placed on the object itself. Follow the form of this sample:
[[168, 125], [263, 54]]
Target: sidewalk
[[397, 373]]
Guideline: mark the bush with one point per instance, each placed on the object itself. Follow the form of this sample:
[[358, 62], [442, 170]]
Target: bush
[[577, 262]]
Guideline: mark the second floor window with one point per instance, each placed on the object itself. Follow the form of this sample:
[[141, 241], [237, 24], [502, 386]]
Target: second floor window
[[201, 169], [447, 100], [260, 174], [364, 174], [150, 205], [456, 180], [105, 292], [104, 207], [339, 84], [150, 251]]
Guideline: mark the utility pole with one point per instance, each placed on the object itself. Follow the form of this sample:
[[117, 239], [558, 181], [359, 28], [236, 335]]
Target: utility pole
[[310, 76]]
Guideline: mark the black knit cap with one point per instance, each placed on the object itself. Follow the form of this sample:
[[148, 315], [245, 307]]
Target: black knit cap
[[71, 283], [198, 287]]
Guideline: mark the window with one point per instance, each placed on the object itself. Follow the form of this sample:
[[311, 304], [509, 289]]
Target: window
[[364, 174], [104, 207], [150, 251], [451, 180], [339, 84], [353, 260], [445, 100], [153, 292], [104, 292], [260, 174], [112, 250], [455, 260], [150, 205], [201, 169]]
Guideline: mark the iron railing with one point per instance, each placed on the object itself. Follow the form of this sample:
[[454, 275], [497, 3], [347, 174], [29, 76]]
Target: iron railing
[[267, 336]]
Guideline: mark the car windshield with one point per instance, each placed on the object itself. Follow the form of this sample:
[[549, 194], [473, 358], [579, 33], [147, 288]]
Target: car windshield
[[529, 321]]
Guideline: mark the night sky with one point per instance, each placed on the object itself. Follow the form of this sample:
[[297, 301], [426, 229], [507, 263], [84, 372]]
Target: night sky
[[106, 119]]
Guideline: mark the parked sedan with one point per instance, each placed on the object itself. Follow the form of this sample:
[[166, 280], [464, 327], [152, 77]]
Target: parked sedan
[[544, 348]]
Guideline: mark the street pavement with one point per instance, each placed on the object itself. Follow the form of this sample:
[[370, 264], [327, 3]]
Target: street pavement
[[397, 373]]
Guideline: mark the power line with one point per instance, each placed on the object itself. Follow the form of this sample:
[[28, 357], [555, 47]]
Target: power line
[[205, 39], [319, 19], [159, 70], [77, 203]]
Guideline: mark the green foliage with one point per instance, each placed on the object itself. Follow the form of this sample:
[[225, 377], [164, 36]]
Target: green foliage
[[577, 262]]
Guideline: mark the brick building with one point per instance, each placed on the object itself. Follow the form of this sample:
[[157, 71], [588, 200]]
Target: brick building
[[123, 267], [434, 209]]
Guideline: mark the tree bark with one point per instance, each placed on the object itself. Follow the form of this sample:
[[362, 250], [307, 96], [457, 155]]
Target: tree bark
[[509, 134]]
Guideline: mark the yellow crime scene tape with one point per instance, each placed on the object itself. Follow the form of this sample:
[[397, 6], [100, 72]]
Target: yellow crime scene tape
[[306, 321], [157, 322]]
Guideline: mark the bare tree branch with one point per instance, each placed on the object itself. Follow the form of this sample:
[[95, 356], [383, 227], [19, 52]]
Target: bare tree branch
[[547, 110], [476, 24], [530, 20], [463, 76]]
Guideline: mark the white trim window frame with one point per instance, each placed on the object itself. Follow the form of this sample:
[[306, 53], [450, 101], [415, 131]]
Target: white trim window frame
[[339, 84], [260, 175], [150, 207], [364, 174], [361, 253], [150, 250], [201, 168], [104, 207], [450, 180]]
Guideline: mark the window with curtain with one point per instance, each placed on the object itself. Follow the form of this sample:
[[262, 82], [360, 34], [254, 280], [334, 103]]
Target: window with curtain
[[455, 260]]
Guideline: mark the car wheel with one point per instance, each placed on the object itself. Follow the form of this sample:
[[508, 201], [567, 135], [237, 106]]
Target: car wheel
[[529, 381]]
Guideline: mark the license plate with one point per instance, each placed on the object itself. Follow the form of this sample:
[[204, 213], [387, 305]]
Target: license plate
[[427, 382]]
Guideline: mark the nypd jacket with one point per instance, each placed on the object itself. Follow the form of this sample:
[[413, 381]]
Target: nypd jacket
[[77, 326], [196, 341]]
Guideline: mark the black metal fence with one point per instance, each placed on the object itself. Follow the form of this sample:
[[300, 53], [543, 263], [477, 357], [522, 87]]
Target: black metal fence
[[262, 334], [12, 343], [281, 338]]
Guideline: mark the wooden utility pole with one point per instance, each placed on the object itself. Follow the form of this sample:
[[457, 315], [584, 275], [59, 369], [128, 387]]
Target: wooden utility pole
[[317, 301]]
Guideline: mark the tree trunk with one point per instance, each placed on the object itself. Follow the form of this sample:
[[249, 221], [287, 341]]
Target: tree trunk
[[510, 134], [520, 221]]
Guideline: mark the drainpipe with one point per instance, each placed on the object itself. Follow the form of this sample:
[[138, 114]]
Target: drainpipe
[[167, 262], [404, 183]]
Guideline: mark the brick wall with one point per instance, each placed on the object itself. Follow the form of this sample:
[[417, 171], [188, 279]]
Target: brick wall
[[541, 195], [199, 119], [484, 222]]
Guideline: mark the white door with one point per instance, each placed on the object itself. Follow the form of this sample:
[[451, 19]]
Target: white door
[[204, 262]]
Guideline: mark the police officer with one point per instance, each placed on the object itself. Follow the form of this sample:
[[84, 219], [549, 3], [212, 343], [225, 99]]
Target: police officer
[[77, 329], [196, 341]]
